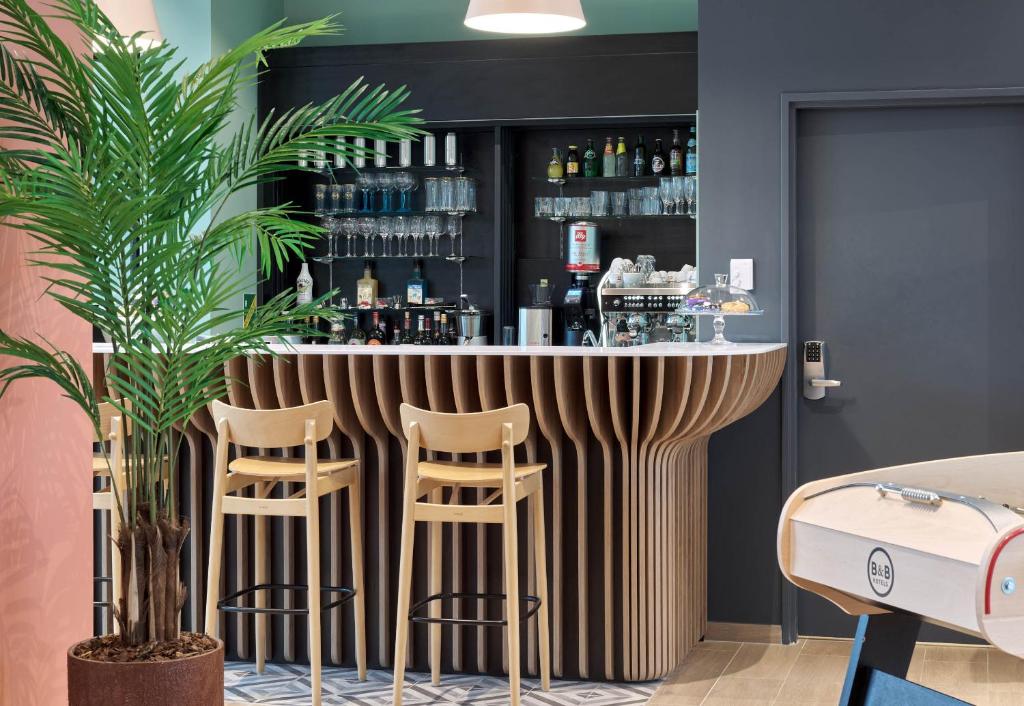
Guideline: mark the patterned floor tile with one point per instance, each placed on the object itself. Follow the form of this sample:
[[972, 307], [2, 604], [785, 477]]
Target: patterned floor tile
[[289, 685]]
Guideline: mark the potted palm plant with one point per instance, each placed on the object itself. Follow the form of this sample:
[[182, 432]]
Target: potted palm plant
[[120, 170]]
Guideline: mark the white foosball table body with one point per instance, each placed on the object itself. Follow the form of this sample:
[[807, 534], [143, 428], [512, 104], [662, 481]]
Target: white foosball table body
[[942, 539]]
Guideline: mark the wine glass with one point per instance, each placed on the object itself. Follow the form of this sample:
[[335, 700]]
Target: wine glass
[[406, 183], [416, 229], [367, 184], [454, 230], [690, 194], [386, 186], [349, 228], [366, 229], [678, 194], [385, 227], [665, 191], [401, 230]]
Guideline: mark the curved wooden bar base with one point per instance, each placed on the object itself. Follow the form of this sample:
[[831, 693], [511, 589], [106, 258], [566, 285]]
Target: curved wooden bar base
[[624, 433]]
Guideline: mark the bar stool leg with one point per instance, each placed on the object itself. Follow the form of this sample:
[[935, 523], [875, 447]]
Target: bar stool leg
[[313, 580], [512, 589], [355, 519], [540, 556], [216, 532], [404, 587], [436, 564], [115, 561], [260, 556]]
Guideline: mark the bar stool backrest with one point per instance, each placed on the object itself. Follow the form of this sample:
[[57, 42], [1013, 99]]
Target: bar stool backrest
[[108, 412], [466, 433], [274, 428]]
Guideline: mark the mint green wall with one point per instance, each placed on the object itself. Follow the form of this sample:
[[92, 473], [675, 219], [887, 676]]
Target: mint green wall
[[396, 21], [187, 25]]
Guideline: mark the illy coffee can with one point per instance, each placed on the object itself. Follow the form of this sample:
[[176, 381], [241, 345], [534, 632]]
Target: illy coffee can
[[582, 252], [381, 158], [339, 158], [360, 143], [451, 152], [405, 153]]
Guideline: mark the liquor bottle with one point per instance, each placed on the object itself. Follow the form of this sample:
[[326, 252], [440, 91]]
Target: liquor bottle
[[691, 152], [366, 288], [555, 170], [407, 336], [590, 164], [357, 336], [639, 157], [396, 336], [304, 286], [416, 287], [442, 336], [608, 159], [621, 159], [377, 336], [435, 338], [453, 335], [658, 159], [572, 162], [423, 335], [675, 157]]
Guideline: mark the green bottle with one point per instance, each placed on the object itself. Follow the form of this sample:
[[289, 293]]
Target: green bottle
[[590, 163]]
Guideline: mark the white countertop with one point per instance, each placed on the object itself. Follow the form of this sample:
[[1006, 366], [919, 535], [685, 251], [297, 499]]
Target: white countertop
[[650, 350]]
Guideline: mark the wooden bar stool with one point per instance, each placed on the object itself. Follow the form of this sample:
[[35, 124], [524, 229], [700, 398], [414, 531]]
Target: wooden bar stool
[[470, 433], [283, 428], [111, 431]]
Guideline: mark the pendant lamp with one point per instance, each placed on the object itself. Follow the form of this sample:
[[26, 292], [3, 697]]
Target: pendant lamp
[[525, 16]]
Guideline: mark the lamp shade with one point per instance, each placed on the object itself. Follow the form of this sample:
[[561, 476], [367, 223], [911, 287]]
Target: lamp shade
[[132, 16], [525, 16]]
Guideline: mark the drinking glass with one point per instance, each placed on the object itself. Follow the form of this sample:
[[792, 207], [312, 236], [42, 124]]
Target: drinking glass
[[619, 203], [401, 231], [636, 202], [334, 201], [416, 229], [690, 194], [366, 229], [678, 193], [434, 228], [471, 196], [349, 228], [665, 192], [464, 188], [581, 207], [319, 199], [431, 185], [652, 203], [543, 207], [348, 198], [367, 185], [406, 183], [385, 227], [562, 206], [455, 231], [447, 195], [599, 203], [386, 185]]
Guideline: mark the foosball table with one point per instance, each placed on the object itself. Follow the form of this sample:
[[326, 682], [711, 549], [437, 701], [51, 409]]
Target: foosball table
[[940, 542]]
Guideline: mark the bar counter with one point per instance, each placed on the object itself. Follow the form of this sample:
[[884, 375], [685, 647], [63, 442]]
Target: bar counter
[[624, 432]]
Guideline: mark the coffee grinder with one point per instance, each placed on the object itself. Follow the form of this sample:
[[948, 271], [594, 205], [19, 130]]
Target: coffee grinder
[[579, 309]]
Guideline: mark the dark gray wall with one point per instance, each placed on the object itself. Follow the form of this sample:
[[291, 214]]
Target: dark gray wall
[[751, 53]]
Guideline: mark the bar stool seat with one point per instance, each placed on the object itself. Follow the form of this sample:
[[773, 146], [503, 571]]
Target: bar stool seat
[[277, 467], [478, 475]]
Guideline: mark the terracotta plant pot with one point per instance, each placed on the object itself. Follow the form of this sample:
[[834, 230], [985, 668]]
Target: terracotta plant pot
[[195, 681]]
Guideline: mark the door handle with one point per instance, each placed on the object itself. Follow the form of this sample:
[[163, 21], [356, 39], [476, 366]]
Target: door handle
[[818, 382], [815, 382]]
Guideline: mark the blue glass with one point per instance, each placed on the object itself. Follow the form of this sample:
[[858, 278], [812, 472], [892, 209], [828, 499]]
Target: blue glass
[[385, 200]]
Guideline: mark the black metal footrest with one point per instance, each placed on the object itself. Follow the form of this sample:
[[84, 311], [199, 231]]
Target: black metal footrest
[[102, 580], [532, 605], [225, 605]]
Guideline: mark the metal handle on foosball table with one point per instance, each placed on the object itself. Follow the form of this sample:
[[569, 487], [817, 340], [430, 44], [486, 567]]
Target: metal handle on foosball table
[[913, 495]]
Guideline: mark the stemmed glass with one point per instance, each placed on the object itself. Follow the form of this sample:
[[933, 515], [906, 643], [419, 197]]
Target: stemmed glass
[[401, 228], [690, 194], [367, 184], [386, 185], [434, 229], [665, 192], [406, 183], [416, 229], [454, 230], [349, 227], [385, 227], [678, 194], [366, 229]]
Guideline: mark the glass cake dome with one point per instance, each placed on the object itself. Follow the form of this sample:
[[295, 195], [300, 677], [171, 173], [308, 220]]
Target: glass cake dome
[[719, 300]]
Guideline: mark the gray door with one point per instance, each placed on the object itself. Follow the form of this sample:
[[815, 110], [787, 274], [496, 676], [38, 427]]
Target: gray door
[[910, 242]]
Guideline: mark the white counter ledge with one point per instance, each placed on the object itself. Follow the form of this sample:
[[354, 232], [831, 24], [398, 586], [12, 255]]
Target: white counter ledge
[[669, 350]]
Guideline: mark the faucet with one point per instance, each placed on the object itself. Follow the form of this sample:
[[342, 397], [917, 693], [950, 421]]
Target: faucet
[[589, 339]]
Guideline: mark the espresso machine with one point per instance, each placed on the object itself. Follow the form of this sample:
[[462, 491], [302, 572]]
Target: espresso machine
[[633, 316], [579, 311]]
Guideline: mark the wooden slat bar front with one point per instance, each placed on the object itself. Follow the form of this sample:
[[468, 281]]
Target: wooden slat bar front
[[624, 433]]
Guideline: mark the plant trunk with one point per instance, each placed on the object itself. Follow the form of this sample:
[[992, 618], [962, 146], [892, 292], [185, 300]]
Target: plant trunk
[[152, 594]]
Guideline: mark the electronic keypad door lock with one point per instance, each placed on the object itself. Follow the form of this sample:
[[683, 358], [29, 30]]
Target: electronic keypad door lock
[[815, 381]]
